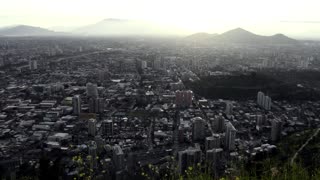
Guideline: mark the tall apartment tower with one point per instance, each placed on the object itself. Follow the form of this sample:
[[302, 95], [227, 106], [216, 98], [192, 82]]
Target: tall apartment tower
[[213, 157], [264, 101], [230, 136], [229, 108], [267, 103], [93, 154], [92, 127], [260, 98], [276, 127], [107, 127], [188, 158], [76, 103], [198, 128], [92, 90], [219, 124], [213, 142], [33, 65], [184, 98], [96, 105], [118, 157]]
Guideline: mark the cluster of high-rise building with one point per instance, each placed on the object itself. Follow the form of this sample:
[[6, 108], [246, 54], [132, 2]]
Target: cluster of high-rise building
[[264, 101], [189, 158], [184, 98], [96, 105], [33, 64]]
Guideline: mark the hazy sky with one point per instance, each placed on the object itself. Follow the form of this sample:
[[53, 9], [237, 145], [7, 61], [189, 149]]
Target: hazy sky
[[292, 17]]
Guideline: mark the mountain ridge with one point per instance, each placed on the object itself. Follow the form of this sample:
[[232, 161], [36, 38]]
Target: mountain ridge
[[200, 36], [117, 27], [25, 30], [123, 27], [239, 35]]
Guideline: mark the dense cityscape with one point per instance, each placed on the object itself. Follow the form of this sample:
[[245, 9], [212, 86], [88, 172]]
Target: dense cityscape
[[121, 108]]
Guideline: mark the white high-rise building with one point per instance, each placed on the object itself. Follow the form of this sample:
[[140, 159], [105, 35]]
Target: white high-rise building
[[101, 75], [33, 64], [213, 157], [219, 124], [96, 105], [92, 127], [259, 122], [230, 136], [157, 63], [229, 108], [76, 103], [184, 98], [267, 103], [260, 98], [264, 101], [107, 127], [144, 64], [212, 142], [276, 128], [92, 90], [93, 154], [198, 128], [118, 157], [100, 105], [188, 158]]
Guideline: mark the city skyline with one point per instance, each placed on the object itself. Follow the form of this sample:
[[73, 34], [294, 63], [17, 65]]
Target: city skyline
[[146, 89]]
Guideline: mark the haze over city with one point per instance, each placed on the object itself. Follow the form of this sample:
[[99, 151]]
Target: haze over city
[[298, 19], [157, 90]]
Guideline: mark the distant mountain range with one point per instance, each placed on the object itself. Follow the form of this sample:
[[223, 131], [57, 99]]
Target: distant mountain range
[[23, 30], [106, 27], [121, 27], [240, 36], [202, 36], [117, 27]]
